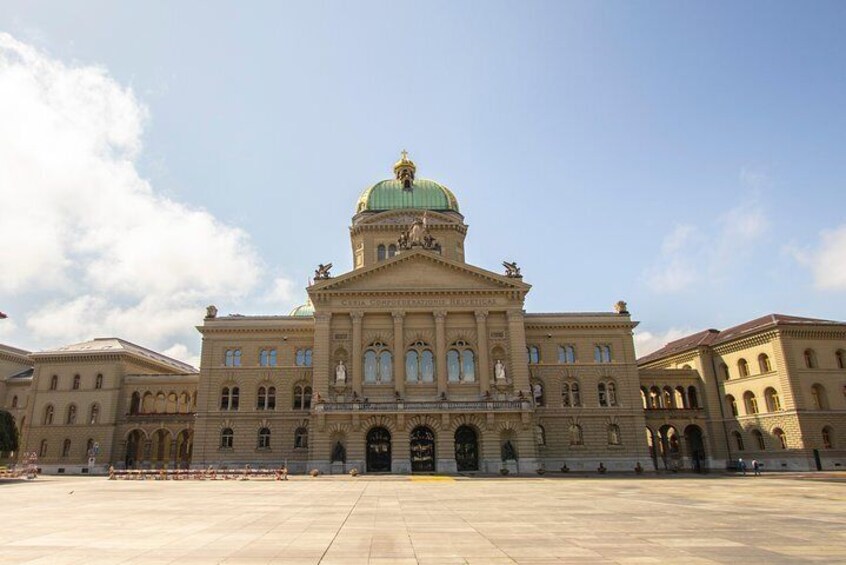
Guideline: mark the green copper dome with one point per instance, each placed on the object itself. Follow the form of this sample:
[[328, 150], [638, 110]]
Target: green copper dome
[[406, 191], [424, 194], [303, 310]]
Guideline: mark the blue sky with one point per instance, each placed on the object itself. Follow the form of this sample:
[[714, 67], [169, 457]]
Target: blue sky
[[688, 158]]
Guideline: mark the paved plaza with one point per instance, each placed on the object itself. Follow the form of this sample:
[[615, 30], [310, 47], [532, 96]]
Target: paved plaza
[[344, 520]]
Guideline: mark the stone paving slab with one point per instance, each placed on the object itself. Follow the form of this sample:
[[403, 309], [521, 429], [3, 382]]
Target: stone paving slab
[[406, 520]]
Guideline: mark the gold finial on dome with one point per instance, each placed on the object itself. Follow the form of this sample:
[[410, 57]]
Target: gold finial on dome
[[404, 170]]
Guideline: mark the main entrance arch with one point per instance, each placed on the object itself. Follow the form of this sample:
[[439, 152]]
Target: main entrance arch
[[422, 450], [696, 447], [378, 451], [466, 449]]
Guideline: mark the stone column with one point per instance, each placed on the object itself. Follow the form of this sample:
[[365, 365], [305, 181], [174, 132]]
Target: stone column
[[440, 350], [355, 367], [321, 354], [399, 353], [482, 341], [517, 351]]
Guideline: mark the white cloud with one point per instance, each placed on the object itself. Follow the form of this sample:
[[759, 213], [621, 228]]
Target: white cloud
[[646, 342], [691, 254], [84, 231], [281, 291], [828, 261], [180, 351]]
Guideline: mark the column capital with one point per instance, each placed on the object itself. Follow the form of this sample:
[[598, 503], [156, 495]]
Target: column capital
[[481, 315], [514, 314], [440, 315], [356, 317], [398, 315], [322, 316]]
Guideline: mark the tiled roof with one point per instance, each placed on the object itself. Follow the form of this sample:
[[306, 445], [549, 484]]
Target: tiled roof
[[114, 344], [716, 337]]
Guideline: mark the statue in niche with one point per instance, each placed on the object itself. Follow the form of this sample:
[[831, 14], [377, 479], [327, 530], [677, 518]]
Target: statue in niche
[[537, 393], [339, 453], [211, 311], [508, 451], [341, 372], [499, 370]]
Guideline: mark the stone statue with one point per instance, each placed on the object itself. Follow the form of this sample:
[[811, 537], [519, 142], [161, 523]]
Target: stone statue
[[339, 453], [508, 451], [418, 231], [537, 393], [499, 370], [512, 270], [322, 272], [341, 372], [418, 236], [211, 311], [621, 307]]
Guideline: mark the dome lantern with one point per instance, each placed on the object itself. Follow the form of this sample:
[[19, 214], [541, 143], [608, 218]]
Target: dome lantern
[[404, 170]]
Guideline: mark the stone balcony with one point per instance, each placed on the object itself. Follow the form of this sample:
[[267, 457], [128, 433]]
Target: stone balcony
[[161, 417], [426, 406]]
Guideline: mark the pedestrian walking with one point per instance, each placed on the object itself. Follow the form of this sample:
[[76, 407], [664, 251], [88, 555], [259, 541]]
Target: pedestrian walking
[[741, 464], [756, 467]]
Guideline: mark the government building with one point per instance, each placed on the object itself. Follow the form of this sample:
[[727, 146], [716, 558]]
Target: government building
[[418, 362]]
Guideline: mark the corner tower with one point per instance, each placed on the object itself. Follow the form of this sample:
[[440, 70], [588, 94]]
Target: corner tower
[[388, 211]]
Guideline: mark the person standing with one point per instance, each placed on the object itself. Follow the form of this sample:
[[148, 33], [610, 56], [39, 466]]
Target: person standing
[[741, 464], [756, 467]]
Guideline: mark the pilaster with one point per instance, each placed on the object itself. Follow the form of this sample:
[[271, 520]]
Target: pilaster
[[321, 353], [355, 365], [399, 352], [440, 350], [482, 338], [517, 351]]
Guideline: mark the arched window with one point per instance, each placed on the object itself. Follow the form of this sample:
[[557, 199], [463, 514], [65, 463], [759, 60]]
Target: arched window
[[575, 392], [810, 359], [378, 364], [692, 397], [392, 250], [680, 398], [461, 363], [98, 382], [261, 398], [566, 354], [772, 400], [603, 397], [230, 398], [725, 371], [66, 447], [759, 439], [264, 438], [743, 367], [750, 402], [75, 385], [566, 398], [48, 414], [828, 437], [576, 436], [71, 419], [540, 435], [764, 363], [94, 414], [380, 252], [227, 438], [602, 353], [738, 440], [233, 358], [89, 448], [42, 450], [818, 397], [840, 357], [302, 397], [644, 396], [613, 434], [301, 438], [730, 400], [667, 397], [15, 401], [54, 382], [781, 436], [267, 358], [533, 353], [612, 394], [419, 363], [271, 398]]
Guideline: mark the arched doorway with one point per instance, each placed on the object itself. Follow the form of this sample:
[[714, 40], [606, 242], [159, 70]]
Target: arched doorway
[[161, 447], [696, 448], [466, 449], [378, 451], [134, 447], [668, 441], [422, 450], [184, 447]]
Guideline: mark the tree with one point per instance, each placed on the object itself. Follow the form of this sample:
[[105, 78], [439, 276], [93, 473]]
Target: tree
[[8, 432]]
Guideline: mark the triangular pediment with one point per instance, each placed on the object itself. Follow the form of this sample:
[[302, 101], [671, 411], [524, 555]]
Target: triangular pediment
[[420, 271]]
